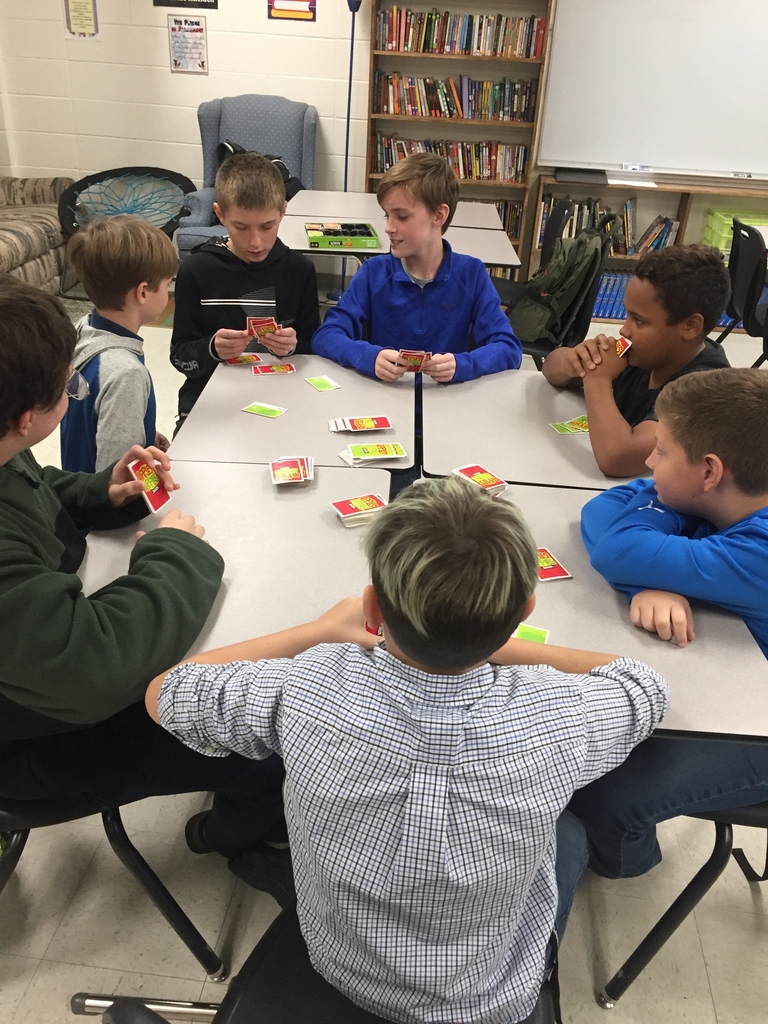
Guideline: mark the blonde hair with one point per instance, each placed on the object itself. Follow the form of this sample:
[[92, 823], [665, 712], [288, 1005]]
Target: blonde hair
[[428, 178], [250, 181], [112, 255], [725, 413], [452, 569]]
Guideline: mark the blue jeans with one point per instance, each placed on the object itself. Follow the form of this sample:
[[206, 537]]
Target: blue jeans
[[663, 778], [571, 863]]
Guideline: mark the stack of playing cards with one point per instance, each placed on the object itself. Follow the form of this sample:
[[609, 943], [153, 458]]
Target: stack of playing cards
[[258, 326], [415, 358], [483, 478], [579, 425], [292, 469], [550, 568], [366, 454], [265, 371], [360, 423], [358, 511], [245, 358]]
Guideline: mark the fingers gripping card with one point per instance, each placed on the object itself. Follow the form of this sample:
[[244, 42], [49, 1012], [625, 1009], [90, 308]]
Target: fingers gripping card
[[154, 494]]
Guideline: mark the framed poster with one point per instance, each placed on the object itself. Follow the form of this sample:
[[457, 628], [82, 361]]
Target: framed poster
[[81, 19], [188, 45], [211, 5], [294, 10]]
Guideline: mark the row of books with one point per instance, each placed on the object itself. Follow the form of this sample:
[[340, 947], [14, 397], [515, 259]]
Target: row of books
[[478, 161], [586, 214], [432, 97], [479, 35], [609, 302], [661, 232], [511, 215]]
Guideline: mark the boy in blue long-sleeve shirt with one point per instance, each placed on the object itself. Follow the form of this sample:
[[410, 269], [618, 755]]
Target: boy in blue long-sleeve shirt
[[699, 530], [422, 295]]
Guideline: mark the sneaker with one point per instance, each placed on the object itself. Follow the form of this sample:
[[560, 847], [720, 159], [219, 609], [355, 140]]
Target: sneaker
[[193, 833], [268, 870]]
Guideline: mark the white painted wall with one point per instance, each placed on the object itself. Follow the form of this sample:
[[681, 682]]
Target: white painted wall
[[77, 106]]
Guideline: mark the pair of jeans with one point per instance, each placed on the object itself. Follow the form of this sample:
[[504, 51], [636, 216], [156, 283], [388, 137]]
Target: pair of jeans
[[663, 778]]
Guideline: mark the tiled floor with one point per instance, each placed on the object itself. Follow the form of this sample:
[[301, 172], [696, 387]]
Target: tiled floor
[[72, 919]]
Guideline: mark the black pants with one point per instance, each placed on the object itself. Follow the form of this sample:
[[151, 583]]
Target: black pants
[[129, 757]]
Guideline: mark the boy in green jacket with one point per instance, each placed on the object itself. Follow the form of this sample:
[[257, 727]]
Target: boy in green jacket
[[73, 669]]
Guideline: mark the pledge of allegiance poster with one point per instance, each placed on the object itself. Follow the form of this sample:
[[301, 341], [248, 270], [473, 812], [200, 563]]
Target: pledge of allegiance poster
[[188, 44]]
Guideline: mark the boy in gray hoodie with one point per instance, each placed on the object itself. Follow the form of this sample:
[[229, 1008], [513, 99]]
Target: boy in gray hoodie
[[125, 265]]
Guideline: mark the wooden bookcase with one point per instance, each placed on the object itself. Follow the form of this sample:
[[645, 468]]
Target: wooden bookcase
[[443, 66]]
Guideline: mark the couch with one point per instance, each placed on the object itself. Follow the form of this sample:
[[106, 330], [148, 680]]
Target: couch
[[31, 241]]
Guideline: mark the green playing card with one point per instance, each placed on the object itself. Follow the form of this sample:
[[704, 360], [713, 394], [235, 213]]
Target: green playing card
[[533, 633], [578, 425], [322, 383], [260, 409], [376, 451]]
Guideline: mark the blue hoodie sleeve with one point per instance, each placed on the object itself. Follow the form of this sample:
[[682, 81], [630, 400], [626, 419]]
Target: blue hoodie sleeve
[[497, 346], [342, 335]]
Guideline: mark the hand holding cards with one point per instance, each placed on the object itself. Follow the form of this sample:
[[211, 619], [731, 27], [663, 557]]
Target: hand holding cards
[[154, 494], [414, 358]]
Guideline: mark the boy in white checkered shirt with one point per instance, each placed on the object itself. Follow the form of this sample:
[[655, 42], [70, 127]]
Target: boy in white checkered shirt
[[425, 776]]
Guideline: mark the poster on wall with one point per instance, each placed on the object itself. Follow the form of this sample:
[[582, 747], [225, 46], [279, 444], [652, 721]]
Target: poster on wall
[[81, 19], [211, 5], [188, 45], [294, 10]]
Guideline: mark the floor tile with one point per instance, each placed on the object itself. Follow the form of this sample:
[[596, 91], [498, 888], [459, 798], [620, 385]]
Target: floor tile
[[249, 915], [167, 814], [16, 974], [47, 999], [667, 878], [41, 888], [112, 923], [736, 956]]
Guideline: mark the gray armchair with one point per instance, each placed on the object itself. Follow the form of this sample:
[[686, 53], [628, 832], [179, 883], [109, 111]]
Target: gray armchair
[[266, 124]]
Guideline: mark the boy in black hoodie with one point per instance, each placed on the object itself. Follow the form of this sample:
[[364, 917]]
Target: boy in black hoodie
[[251, 264]]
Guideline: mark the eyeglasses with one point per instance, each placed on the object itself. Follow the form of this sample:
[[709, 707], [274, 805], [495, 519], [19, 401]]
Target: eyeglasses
[[77, 387]]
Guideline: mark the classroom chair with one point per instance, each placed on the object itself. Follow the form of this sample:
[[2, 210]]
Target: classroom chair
[[755, 816], [276, 985], [746, 269], [762, 358], [270, 125], [18, 817], [562, 212]]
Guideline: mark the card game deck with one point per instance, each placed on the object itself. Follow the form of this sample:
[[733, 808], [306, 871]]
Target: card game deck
[[357, 424], [365, 454], [274, 368], [533, 633], [358, 511], [263, 409], [154, 493], [622, 344], [483, 478], [244, 359], [415, 358], [322, 383], [578, 425], [292, 469], [257, 326], [550, 568]]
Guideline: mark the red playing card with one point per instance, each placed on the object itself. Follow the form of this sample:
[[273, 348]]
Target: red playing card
[[260, 325], [245, 358], [550, 568], [287, 471], [370, 423], [415, 358], [622, 344], [482, 477], [265, 371], [354, 506], [154, 493]]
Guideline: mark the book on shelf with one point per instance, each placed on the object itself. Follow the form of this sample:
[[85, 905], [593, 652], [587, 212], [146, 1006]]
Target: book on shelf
[[478, 161], [609, 302], [510, 213], [506, 100], [471, 35]]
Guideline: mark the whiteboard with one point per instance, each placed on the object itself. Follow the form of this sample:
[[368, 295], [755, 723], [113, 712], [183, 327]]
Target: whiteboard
[[675, 86]]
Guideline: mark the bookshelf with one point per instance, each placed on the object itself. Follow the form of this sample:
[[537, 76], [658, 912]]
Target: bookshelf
[[479, 107]]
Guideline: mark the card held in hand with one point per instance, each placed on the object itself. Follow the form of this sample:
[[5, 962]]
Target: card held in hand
[[154, 494]]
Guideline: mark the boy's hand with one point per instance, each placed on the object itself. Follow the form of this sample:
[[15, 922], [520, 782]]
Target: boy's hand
[[388, 365], [345, 623], [229, 344], [176, 520], [662, 612], [280, 343], [586, 356], [124, 488], [605, 362], [441, 367], [162, 442]]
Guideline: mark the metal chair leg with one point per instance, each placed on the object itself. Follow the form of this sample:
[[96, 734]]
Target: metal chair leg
[[165, 903], [671, 920], [12, 850], [749, 872]]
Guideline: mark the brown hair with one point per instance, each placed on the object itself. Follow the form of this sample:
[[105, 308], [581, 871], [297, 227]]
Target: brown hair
[[37, 342], [250, 181], [452, 569], [688, 279], [429, 178], [725, 413], [112, 255]]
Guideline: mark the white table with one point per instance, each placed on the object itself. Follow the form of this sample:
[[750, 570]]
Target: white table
[[288, 556], [489, 246], [315, 204], [217, 430], [719, 682], [502, 422]]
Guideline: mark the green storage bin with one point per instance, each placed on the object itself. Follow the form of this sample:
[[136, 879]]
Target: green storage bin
[[718, 230]]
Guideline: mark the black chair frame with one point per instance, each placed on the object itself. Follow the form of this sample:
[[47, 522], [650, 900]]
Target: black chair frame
[[746, 268], [755, 816], [18, 817]]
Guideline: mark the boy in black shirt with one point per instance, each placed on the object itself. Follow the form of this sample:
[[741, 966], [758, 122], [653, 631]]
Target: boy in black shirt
[[252, 263], [673, 301]]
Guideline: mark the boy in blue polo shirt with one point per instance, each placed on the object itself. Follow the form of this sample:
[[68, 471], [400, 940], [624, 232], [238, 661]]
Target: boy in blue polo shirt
[[422, 295]]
